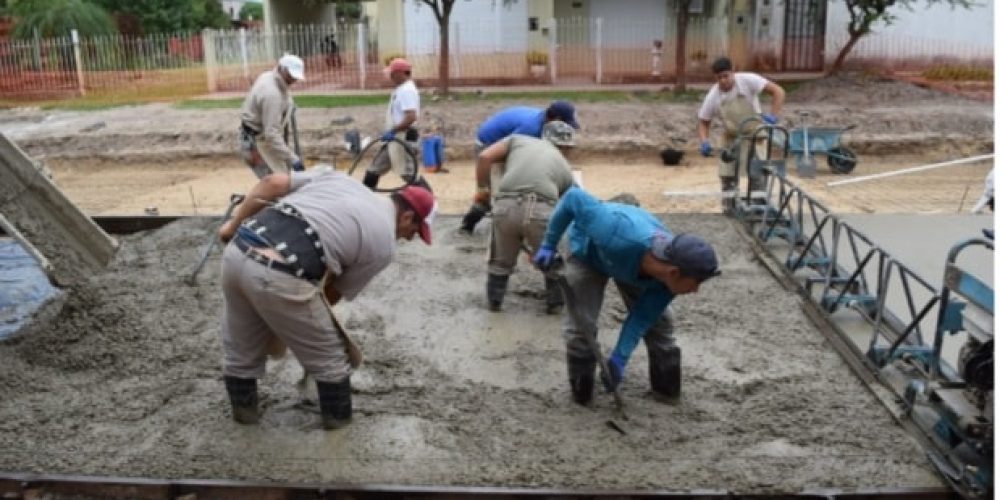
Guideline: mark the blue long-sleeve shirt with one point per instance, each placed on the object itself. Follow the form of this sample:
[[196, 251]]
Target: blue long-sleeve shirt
[[612, 238], [523, 120]]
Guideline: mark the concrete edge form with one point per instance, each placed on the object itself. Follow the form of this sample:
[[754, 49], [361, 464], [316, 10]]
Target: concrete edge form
[[46, 219], [46, 486]]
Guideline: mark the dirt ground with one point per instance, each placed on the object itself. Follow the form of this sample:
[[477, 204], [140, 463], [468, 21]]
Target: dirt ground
[[125, 378]]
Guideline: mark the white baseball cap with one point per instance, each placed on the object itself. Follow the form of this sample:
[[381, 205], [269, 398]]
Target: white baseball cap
[[296, 68]]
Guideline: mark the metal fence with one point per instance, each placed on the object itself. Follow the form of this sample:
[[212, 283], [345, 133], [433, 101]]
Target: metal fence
[[40, 68], [576, 50]]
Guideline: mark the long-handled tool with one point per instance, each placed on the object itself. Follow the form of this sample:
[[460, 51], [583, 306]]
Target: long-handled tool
[[553, 273], [234, 199]]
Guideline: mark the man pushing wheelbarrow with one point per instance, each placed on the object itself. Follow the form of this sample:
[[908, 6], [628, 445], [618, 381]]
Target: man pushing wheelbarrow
[[735, 99]]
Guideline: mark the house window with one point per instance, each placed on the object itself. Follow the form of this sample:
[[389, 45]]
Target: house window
[[577, 5], [696, 7]]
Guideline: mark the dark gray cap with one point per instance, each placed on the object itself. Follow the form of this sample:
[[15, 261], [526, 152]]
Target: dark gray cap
[[694, 256]]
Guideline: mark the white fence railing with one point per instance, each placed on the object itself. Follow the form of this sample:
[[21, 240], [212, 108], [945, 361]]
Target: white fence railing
[[571, 51]]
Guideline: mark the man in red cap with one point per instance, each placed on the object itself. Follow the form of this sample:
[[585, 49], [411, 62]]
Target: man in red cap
[[400, 117], [297, 245]]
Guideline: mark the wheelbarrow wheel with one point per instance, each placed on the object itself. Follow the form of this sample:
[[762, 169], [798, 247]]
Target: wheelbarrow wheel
[[841, 160]]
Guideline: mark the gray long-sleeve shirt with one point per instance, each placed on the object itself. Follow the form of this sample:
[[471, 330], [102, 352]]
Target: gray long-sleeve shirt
[[266, 109]]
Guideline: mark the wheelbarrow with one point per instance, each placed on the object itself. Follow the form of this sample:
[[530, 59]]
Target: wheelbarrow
[[806, 142]]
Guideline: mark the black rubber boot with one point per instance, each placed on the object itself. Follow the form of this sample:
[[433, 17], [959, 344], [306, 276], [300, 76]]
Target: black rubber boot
[[473, 216], [581, 377], [496, 287], [665, 373], [334, 403], [243, 397], [422, 182], [371, 180], [553, 297]]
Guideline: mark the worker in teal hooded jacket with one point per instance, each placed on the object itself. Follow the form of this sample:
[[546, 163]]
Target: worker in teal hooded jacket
[[649, 265]]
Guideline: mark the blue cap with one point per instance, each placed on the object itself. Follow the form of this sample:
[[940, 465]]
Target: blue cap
[[563, 110], [691, 254]]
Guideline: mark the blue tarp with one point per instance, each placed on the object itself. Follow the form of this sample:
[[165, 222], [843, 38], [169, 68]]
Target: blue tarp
[[23, 287]]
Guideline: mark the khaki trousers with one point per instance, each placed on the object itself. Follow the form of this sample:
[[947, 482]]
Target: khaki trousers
[[260, 302]]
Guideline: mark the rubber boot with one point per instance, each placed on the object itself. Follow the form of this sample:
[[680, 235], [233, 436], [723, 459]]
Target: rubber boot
[[553, 297], [496, 287], [472, 217], [243, 397], [581, 377], [334, 403], [665, 373], [371, 180], [422, 182]]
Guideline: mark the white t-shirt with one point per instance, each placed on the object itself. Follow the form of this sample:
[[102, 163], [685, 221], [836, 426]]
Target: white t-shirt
[[749, 85], [404, 98]]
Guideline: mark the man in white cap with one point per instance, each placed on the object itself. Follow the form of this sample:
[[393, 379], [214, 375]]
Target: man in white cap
[[400, 117], [265, 117], [535, 174]]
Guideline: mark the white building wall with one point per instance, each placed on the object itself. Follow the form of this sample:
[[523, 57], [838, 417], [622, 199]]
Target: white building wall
[[635, 23], [479, 26], [926, 31]]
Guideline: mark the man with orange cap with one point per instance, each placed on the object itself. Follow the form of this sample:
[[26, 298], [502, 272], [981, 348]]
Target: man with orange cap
[[400, 117], [297, 245]]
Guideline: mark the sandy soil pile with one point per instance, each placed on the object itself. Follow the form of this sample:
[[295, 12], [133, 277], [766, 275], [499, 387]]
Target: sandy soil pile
[[892, 118], [126, 381]]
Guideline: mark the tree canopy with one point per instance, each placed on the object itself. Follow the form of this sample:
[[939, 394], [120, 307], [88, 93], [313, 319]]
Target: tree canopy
[[166, 16], [55, 18], [252, 10]]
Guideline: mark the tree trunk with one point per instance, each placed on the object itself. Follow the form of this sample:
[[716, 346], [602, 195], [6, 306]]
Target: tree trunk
[[444, 65], [839, 61], [680, 55]]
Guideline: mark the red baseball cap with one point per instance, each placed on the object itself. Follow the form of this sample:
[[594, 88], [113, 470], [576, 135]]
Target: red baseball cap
[[398, 64], [422, 202]]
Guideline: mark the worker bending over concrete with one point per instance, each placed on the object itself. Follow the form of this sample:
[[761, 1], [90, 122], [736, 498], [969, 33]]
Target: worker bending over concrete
[[735, 97], [536, 174], [524, 120], [297, 245], [648, 264], [265, 119]]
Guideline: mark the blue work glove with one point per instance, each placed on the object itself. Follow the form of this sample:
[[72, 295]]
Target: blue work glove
[[298, 166], [388, 135], [616, 371], [706, 148], [769, 118], [544, 257]]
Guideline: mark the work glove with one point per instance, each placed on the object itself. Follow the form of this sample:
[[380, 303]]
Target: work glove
[[482, 197], [616, 371], [706, 148], [544, 257], [298, 166], [388, 135], [769, 118]]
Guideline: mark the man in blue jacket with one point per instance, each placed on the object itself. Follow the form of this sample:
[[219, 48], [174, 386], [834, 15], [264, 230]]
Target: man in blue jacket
[[524, 120], [649, 265]]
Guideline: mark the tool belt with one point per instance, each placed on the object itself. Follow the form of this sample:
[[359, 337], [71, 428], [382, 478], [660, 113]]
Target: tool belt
[[525, 197], [246, 129], [282, 228]]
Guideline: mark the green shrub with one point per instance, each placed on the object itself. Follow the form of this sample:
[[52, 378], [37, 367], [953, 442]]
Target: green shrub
[[963, 73]]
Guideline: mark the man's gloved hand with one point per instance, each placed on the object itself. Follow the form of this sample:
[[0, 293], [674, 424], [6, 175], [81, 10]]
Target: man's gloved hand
[[616, 371], [388, 135], [544, 257], [769, 118], [298, 166], [482, 196], [706, 148]]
